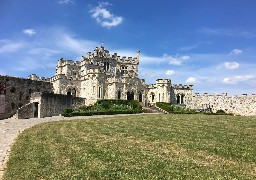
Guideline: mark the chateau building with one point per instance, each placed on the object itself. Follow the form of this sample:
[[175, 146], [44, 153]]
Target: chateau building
[[100, 75]]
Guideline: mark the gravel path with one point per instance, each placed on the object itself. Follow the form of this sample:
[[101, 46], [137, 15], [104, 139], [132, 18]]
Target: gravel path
[[10, 128]]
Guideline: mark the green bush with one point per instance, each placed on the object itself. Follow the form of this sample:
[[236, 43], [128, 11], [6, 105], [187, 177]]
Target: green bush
[[106, 107], [67, 112], [170, 108]]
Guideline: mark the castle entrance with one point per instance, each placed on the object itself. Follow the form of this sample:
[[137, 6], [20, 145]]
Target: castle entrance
[[35, 109], [140, 97], [130, 96]]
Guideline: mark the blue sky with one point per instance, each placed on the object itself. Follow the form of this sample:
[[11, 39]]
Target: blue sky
[[208, 43]]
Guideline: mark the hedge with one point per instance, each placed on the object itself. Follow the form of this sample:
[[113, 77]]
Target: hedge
[[170, 108], [105, 107]]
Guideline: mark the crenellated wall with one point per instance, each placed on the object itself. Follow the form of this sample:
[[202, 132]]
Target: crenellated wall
[[238, 105]]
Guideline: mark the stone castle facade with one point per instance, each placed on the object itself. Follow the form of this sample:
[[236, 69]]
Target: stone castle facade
[[100, 75]]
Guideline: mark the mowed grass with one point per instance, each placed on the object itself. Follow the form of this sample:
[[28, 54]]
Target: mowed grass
[[137, 147]]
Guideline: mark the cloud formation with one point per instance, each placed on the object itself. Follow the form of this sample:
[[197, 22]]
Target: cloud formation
[[195, 46], [175, 60], [169, 72], [7, 46], [236, 51], [237, 32], [104, 16], [237, 79], [191, 80], [231, 65], [29, 32], [66, 2]]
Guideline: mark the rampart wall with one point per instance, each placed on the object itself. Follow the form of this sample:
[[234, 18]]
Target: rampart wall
[[238, 105], [50, 104], [15, 92]]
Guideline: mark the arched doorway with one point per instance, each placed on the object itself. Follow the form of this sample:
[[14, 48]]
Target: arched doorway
[[140, 97], [178, 98], [35, 109], [130, 96]]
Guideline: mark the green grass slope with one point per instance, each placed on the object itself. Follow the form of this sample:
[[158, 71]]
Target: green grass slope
[[137, 147]]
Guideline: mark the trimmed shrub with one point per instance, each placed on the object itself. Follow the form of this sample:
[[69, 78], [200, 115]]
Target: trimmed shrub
[[170, 108], [106, 107], [67, 112]]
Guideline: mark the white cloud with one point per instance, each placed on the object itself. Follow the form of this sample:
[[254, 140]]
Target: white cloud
[[192, 80], [169, 72], [29, 32], [104, 16], [175, 60], [66, 2], [7, 46], [237, 79], [70, 44], [237, 32], [195, 46], [236, 51], [231, 65], [27, 64]]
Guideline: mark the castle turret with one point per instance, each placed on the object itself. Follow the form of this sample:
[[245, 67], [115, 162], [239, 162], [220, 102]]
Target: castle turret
[[138, 55]]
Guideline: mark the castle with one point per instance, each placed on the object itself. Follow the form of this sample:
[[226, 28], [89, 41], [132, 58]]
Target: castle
[[100, 75]]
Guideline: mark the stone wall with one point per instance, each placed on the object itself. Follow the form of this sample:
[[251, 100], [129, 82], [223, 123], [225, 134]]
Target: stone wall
[[50, 104], [15, 92], [238, 105], [25, 112]]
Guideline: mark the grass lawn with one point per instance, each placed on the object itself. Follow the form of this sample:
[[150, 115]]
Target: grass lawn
[[137, 147]]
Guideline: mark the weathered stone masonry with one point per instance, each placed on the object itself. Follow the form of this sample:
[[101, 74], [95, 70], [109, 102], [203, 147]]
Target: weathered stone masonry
[[46, 105], [15, 92], [243, 105], [100, 75]]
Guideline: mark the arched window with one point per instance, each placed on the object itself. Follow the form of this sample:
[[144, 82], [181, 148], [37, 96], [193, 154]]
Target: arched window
[[119, 95], [71, 92], [99, 92], [182, 99], [152, 97], [106, 66]]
